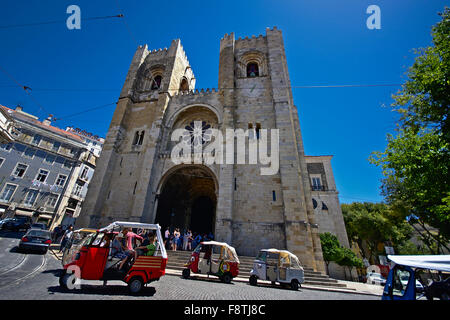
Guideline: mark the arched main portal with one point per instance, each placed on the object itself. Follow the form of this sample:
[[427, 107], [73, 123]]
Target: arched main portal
[[187, 199]]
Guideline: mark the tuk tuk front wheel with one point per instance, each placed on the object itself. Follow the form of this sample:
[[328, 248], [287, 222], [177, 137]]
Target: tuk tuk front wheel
[[253, 280], [135, 285], [186, 273]]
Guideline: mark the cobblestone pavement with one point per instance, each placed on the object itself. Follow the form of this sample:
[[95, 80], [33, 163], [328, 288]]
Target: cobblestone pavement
[[35, 276]]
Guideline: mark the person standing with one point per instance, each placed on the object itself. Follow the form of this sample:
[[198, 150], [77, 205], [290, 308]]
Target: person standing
[[55, 233], [66, 237], [176, 237], [166, 237], [185, 240]]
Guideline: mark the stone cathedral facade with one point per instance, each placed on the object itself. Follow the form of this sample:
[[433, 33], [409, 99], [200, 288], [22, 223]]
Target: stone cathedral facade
[[136, 179]]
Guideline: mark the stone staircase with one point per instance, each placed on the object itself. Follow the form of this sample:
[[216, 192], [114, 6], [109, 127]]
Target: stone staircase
[[177, 259]]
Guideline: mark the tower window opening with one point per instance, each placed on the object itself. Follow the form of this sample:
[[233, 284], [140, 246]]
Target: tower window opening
[[138, 138], [184, 86], [156, 84], [258, 129], [252, 70]]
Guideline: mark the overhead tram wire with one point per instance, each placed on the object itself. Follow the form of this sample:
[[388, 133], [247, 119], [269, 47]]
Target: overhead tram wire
[[84, 111], [25, 88], [105, 105], [225, 88], [126, 24], [56, 22]]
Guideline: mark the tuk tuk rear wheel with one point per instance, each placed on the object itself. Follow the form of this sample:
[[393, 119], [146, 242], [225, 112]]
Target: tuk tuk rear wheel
[[294, 285], [253, 280], [135, 285], [186, 273], [226, 278]]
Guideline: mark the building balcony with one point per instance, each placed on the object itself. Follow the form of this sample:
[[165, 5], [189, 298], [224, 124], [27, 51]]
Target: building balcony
[[319, 188]]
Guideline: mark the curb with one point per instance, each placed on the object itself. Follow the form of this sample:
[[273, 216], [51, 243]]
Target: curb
[[172, 272]]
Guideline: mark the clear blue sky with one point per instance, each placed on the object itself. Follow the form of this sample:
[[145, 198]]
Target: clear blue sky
[[327, 43]]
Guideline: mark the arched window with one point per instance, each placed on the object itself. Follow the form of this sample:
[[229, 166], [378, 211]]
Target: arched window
[[156, 83], [138, 138], [252, 70], [184, 86]]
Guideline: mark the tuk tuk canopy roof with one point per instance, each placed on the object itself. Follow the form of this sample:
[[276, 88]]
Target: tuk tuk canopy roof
[[433, 262], [231, 250], [286, 257], [137, 225], [86, 230], [125, 224]]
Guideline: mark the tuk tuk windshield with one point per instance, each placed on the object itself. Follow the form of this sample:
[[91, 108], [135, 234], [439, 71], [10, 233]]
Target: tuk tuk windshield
[[262, 255], [79, 239]]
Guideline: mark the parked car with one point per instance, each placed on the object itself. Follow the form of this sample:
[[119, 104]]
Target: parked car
[[17, 224], [36, 239], [404, 280], [376, 278], [3, 221], [41, 226]]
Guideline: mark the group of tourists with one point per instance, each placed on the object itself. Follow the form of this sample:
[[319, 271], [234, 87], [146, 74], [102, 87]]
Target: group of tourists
[[187, 241], [125, 245]]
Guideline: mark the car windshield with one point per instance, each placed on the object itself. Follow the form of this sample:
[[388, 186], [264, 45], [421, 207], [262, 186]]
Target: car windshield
[[38, 233]]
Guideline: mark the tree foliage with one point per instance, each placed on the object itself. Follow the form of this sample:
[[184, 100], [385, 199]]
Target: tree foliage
[[330, 247], [416, 161], [369, 224]]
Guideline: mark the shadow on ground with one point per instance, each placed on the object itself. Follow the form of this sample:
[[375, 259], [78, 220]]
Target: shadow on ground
[[109, 290], [11, 234]]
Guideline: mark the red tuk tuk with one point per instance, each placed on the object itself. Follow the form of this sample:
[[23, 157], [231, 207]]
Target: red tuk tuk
[[213, 258], [93, 261]]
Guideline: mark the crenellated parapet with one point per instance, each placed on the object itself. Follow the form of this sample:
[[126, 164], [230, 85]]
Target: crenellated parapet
[[251, 42], [195, 92]]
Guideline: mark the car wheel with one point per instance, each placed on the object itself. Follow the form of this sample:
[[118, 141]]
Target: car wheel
[[135, 285], [186, 273], [253, 280], [294, 285], [226, 278]]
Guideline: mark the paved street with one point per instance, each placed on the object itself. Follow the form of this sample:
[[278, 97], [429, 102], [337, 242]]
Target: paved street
[[35, 276]]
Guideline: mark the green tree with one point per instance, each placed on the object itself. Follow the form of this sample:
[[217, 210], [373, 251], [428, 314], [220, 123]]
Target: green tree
[[369, 224], [331, 248], [349, 259], [416, 161]]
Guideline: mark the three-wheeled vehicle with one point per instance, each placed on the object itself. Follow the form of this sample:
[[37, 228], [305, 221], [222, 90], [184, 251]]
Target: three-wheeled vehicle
[[213, 258], [403, 278], [79, 238], [91, 259], [277, 266]]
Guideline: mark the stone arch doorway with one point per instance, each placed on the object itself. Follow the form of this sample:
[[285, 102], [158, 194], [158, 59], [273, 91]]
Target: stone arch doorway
[[187, 199]]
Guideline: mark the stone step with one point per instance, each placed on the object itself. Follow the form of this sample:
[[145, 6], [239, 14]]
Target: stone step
[[177, 259], [245, 268]]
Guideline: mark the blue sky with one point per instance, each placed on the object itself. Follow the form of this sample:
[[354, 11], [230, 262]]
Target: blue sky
[[327, 43]]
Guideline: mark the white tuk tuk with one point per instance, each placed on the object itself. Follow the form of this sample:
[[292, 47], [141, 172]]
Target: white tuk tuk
[[277, 266]]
